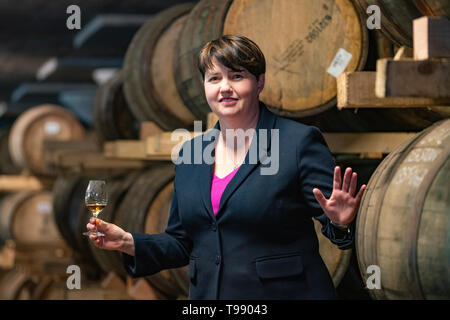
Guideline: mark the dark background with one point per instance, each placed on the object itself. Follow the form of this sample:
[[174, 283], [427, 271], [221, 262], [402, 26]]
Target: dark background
[[33, 31]]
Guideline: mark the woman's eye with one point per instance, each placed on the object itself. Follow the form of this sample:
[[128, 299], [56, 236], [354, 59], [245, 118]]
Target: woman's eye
[[237, 76], [213, 79]]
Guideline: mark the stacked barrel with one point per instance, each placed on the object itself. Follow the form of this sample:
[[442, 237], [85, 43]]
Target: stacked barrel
[[402, 224], [138, 201], [27, 223]]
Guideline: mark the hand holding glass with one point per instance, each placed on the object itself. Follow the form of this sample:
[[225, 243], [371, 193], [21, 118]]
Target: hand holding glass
[[95, 200]]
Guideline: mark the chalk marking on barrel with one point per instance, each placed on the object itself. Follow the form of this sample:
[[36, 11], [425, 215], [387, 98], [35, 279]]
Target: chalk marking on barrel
[[411, 175], [423, 155]]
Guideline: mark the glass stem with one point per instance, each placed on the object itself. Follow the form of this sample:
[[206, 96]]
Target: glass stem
[[95, 216]]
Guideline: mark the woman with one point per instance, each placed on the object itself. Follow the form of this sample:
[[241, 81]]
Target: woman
[[247, 234]]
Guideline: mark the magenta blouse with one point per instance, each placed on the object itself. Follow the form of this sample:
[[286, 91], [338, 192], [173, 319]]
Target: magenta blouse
[[218, 186]]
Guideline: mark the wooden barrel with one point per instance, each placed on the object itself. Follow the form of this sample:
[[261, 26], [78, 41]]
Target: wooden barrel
[[377, 119], [148, 71], [397, 16], [113, 119], [68, 197], [156, 222], [116, 188], [145, 209], [7, 166], [35, 125], [34, 223], [403, 221], [299, 39], [336, 260], [9, 204], [69, 207], [17, 284], [27, 217], [20, 284], [42, 285], [352, 286]]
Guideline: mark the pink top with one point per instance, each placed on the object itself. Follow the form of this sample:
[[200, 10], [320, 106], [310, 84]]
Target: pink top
[[218, 186]]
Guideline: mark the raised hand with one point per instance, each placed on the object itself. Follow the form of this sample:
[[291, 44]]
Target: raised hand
[[343, 205]]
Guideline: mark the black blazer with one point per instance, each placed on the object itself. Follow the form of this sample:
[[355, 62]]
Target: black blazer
[[262, 243]]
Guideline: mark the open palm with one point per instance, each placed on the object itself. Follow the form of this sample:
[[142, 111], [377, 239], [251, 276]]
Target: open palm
[[343, 205]]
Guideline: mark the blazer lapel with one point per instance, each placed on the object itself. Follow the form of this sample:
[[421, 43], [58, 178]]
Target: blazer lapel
[[266, 121], [206, 169]]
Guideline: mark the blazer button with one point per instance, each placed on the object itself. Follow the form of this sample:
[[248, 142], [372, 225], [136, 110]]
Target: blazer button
[[217, 260], [214, 226]]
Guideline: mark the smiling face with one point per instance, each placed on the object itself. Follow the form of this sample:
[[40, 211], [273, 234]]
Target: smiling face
[[231, 91]]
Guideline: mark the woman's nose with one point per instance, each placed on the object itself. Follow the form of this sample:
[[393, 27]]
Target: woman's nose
[[225, 86]]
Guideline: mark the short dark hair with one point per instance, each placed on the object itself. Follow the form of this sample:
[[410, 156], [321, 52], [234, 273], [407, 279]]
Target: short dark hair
[[233, 51]]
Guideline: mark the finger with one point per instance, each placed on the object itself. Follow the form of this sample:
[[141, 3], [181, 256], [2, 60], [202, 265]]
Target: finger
[[101, 225], [337, 178], [320, 197], [360, 194], [99, 242], [90, 227], [347, 178], [353, 184]]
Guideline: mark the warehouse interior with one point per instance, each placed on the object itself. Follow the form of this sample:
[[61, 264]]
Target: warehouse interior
[[93, 90]]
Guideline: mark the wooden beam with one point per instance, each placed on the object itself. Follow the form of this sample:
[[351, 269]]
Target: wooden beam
[[365, 143], [12, 183], [165, 143], [409, 78], [357, 90], [431, 38], [160, 147], [90, 143], [125, 149], [83, 162], [53, 149]]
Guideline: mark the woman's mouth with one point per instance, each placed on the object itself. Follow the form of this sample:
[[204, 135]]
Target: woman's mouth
[[228, 101]]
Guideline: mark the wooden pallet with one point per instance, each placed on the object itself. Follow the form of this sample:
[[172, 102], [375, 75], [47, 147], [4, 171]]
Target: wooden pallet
[[417, 79], [84, 157]]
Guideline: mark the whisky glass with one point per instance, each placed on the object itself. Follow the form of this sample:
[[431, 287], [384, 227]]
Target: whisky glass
[[96, 200]]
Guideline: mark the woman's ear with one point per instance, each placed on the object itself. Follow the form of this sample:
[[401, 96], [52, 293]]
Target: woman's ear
[[261, 82]]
